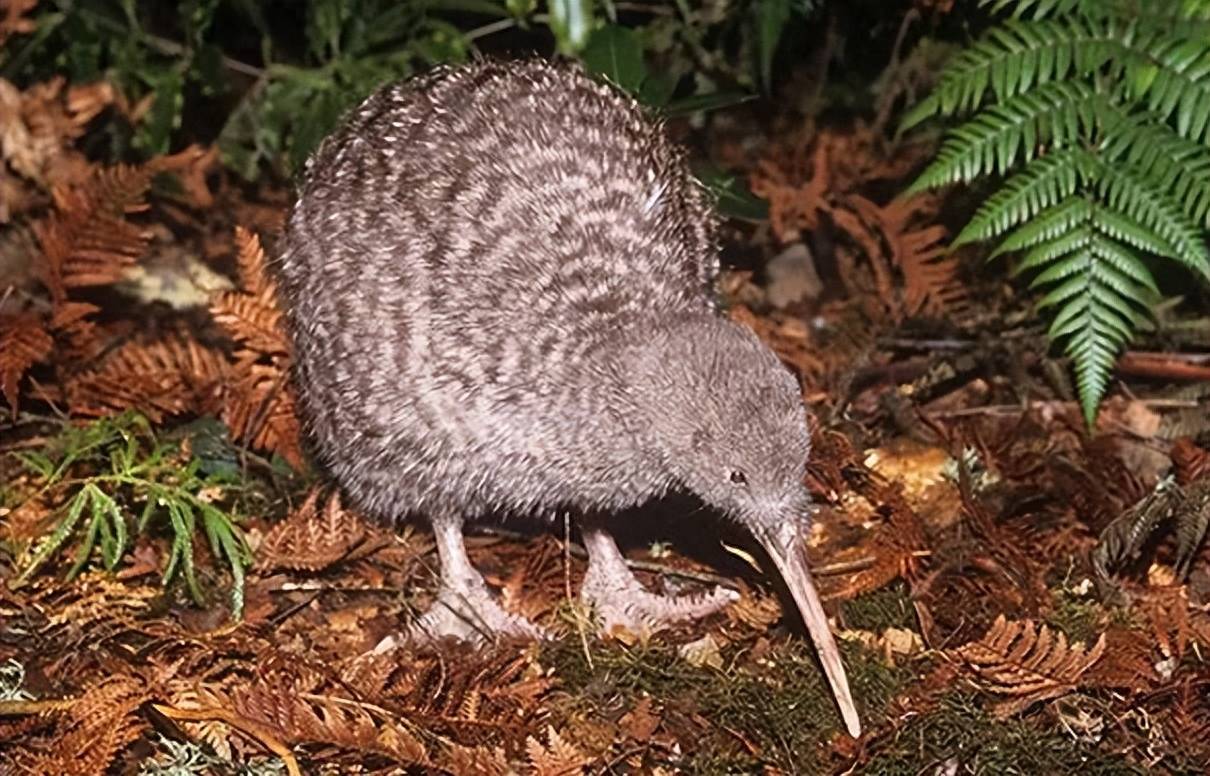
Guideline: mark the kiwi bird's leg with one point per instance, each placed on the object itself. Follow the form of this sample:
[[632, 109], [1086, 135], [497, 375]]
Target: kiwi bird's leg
[[464, 608], [620, 600]]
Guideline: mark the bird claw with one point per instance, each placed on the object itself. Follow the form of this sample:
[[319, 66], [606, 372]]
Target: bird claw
[[469, 614], [624, 604]]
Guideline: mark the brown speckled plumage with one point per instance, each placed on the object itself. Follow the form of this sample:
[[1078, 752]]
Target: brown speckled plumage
[[499, 287]]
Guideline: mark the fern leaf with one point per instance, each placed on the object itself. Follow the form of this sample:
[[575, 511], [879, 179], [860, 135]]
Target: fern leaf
[[1048, 225], [1097, 321], [1172, 72], [1027, 663], [24, 342], [992, 142], [1038, 9], [1099, 287], [1049, 251], [1101, 109], [1153, 208], [1012, 58], [1045, 182], [1160, 155], [1124, 228]]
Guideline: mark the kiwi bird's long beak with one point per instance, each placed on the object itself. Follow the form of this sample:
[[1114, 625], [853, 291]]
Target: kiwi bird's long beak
[[784, 543]]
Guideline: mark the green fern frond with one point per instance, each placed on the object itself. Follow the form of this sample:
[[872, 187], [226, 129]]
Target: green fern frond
[[1050, 224], [1140, 200], [1039, 9], [1172, 72], [1098, 315], [1189, 10], [1049, 251], [1095, 335], [1054, 114], [1045, 181], [1125, 229], [1013, 58], [1098, 285], [1163, 157], [1099, 114], [127, 465]]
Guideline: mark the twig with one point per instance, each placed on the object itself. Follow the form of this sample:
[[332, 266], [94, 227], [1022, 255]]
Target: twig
[[254, 730], [567, 588], [832, 569], [705, 578], [1164, 368], [1016, 409], [860, 564], [22, 708], [887, 101], [654, 10], [491, 28], [1191, 358], [166, 46]]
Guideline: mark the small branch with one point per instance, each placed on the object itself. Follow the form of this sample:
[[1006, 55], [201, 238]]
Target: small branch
[[500, 25], [1163, 368], [1017, 409], [163, 45], [652, 567]]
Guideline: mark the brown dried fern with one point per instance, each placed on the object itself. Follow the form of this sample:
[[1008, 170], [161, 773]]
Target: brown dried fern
[[173, 376], [479, 760], [259, 406], [96, 728], [556, 757], [313, 539], [24, 342], [78, 337], [87, 241], [1027, 663], [302, 717]]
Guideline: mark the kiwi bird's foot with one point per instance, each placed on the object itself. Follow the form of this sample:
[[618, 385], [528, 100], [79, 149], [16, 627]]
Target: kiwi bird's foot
[[465, 609], [620, 601], [469, 612]]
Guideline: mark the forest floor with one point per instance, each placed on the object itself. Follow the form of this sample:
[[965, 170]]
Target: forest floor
[[1012, 592]]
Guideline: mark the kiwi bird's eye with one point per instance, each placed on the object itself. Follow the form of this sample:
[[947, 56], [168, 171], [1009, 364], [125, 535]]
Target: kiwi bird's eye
[[738, 477]]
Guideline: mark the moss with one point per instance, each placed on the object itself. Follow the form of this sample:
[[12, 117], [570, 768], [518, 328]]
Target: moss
[[1078, 617], [887, 607], [780, 705], [959, 731]]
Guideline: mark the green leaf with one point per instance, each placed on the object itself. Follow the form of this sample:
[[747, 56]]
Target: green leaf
[[615, 52], [733, 199], [706, 102], [155, 133], [54, 541], [1055, 115], [481, 7], [1043, 183], [771, 19], [657, 90], [196, 17], [521, 9], [1014, 58], [571, 22], [325, 22]]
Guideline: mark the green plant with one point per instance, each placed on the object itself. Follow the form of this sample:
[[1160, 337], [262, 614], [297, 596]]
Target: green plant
[[105, 473], [278, 92], [1099, 111]]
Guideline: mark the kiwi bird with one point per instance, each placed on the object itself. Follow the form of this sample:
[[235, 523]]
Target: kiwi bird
[[499, 287]]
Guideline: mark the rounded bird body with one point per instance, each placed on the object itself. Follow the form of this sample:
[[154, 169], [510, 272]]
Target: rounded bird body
[[473, 255], [499, 286]]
